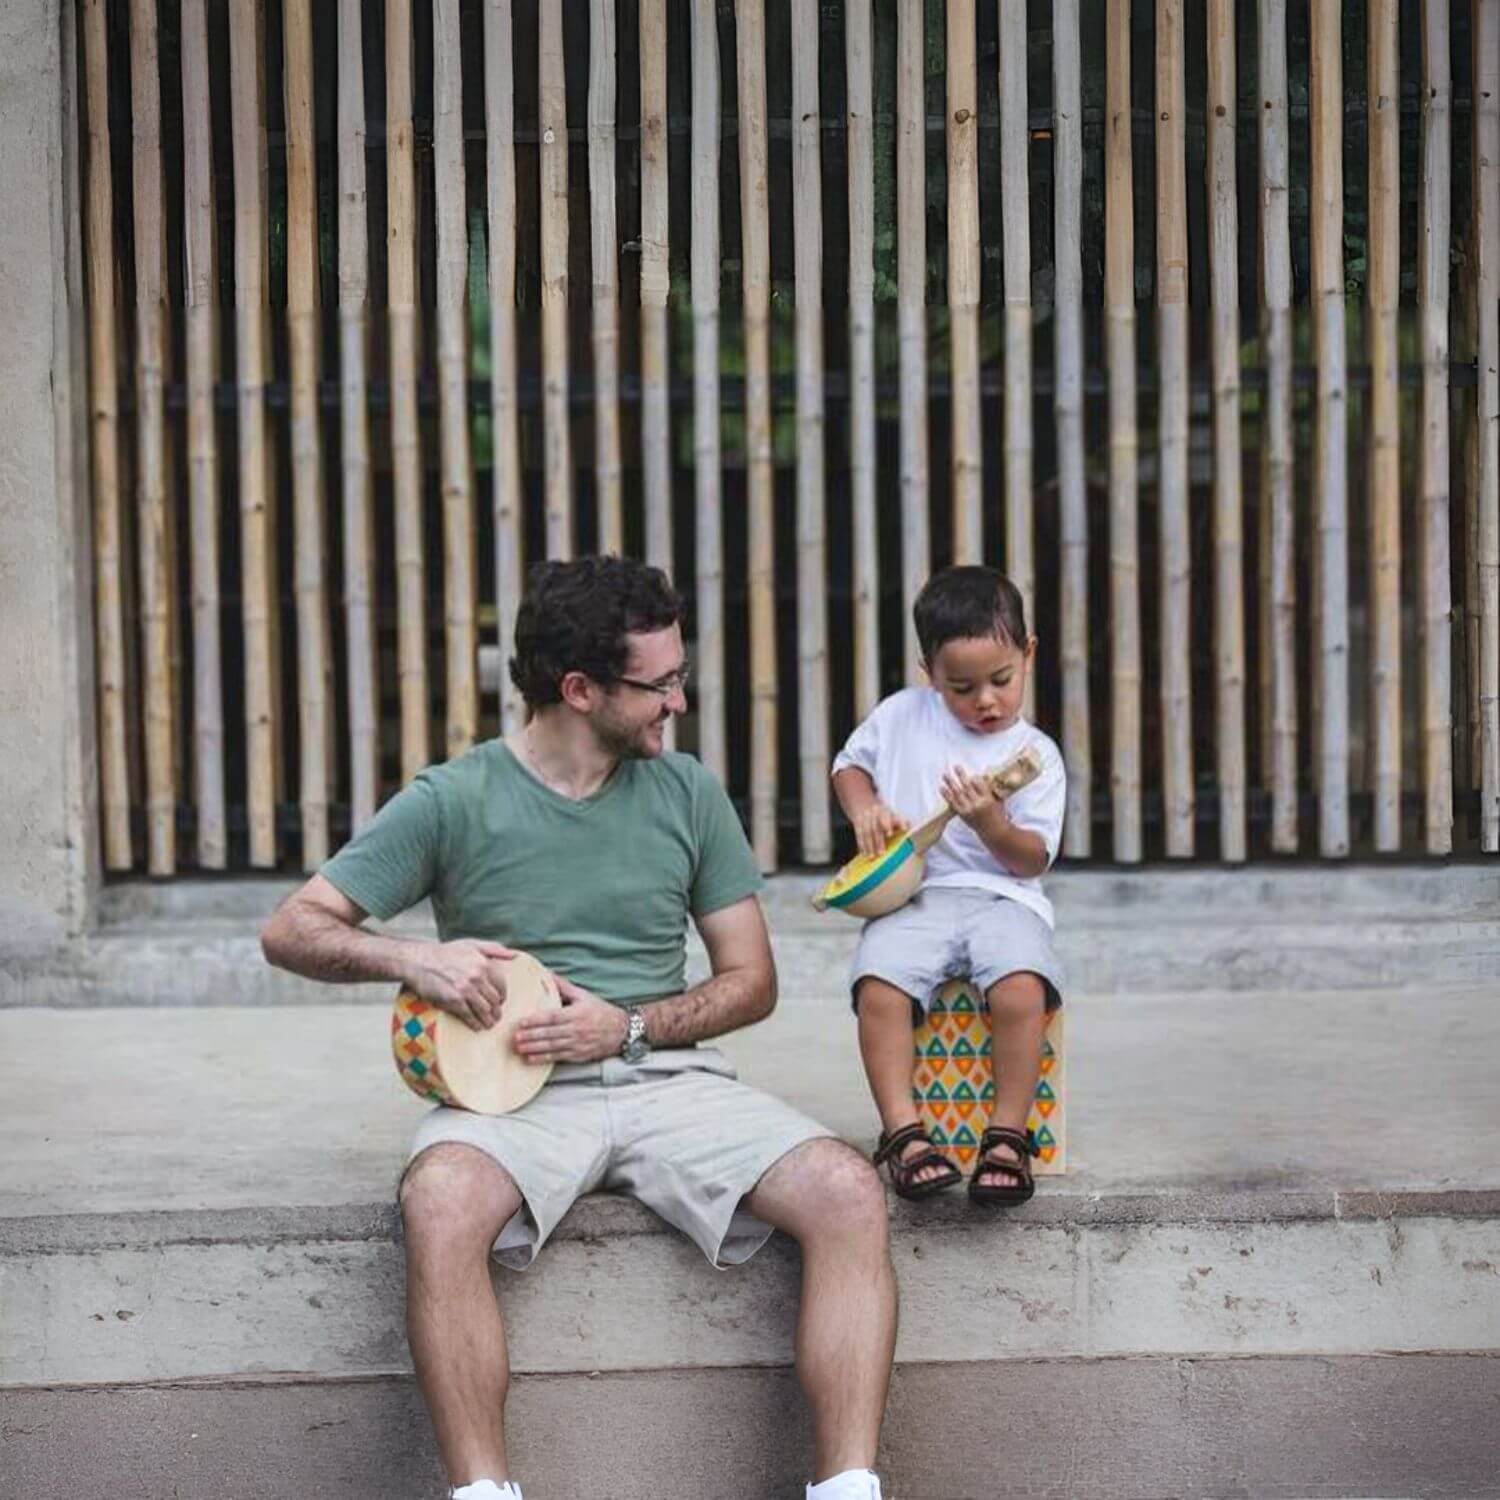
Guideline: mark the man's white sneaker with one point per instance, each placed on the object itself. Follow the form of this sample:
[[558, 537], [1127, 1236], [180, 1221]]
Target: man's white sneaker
[[487, 1489], [852, 1484]]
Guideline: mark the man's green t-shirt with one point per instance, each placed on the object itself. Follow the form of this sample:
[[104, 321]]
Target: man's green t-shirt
[[599, 890]]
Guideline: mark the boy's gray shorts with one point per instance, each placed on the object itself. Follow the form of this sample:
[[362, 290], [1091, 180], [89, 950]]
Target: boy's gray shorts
[[679, 1132], [956, 933]]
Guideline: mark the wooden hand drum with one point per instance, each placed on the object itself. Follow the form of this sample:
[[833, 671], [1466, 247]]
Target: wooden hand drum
[[954, 1081], [441, 1059]]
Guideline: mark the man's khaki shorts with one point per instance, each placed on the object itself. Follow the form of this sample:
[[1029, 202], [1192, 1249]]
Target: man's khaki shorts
[[679, 1132]]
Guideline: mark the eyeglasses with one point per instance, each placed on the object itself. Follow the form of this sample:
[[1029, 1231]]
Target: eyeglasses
[[664, 687]]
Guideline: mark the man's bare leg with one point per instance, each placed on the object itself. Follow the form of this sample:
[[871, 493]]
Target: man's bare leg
[[826, 1196], [454, 1202]]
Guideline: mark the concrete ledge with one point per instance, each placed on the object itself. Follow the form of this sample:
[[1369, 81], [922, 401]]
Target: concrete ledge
[[608, 1215], [194, 942], [146, 1297], [1275, 1429], [1450, 889], [219, 963]]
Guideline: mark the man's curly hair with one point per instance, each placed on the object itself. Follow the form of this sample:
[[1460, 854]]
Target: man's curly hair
[[575, 617]]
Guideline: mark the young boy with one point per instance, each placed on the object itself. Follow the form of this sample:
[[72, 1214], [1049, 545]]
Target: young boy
[[980, 912]]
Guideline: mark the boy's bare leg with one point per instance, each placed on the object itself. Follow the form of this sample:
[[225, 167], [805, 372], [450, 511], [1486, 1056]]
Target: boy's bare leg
[[454, 1202], [1018, 1021], [885, 1048], [827, 1197]]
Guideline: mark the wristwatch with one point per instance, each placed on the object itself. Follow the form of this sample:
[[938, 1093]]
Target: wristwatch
[[636, 1047]]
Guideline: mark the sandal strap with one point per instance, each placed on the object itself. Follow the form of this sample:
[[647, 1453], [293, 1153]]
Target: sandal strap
[[1022, 1142], [986, 1165], [897, 1141], [904, 1169]]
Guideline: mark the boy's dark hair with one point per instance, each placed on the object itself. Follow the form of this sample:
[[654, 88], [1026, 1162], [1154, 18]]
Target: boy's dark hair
[[575, 616], [964, 602]]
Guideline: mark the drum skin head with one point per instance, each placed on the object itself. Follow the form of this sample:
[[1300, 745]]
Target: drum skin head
[[444, 1060]]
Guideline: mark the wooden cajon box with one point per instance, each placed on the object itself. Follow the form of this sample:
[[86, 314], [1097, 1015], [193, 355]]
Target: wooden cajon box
[[954, 1082]]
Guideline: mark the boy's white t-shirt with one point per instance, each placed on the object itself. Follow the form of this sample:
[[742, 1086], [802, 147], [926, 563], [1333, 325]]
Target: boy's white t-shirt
[[907, 745]]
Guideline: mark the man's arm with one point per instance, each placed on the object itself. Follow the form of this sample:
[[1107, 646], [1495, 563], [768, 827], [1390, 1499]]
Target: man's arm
[[740, 991], [317, 932]]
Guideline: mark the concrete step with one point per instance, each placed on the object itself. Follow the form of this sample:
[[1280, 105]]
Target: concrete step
[[1272, 1429], [182, 1295], [1273, 1269], [1151, 932]]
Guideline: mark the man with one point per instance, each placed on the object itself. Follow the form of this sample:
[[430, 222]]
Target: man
[[578, 840]]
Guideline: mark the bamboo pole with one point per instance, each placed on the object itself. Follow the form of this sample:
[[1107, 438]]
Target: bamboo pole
[[1435, 600], [1486, 96], [557, 445], [858, 61], [1229, 603], [1124, 443], [201, 295], [154, 532], [1172, 314], [812, 549], [1467, 423], [104, 415], [354, 354], [406, 436], [500, 160], [606, 249], [1067, 157], [911, 310], [1015, 215], [459, 594], [707, 477], [1325, 88], [656, 282], [257, 548], [1384, 288], [963, 284], [1278, 525], [755, 217], [314, 651]]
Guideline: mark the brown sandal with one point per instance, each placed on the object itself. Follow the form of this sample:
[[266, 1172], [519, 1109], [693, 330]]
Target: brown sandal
[[903, 1172], [992, 1195]]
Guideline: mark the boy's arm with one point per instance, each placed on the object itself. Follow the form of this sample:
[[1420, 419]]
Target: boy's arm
[[1020, 851], [875, 824], [855, 790]]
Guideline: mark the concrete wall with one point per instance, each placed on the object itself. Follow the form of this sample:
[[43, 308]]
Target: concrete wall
[[47, 822]]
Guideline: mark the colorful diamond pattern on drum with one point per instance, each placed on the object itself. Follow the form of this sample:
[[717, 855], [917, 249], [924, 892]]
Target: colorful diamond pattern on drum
[[954, 1086], [414, 1046]]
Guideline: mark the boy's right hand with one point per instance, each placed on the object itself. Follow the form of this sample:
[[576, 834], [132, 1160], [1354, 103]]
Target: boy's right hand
[[875, 826]]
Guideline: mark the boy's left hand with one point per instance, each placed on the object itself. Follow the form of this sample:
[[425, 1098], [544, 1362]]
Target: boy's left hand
[[972, 798]]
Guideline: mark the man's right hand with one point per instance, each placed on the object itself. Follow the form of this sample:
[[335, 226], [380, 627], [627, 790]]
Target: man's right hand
[[875, 826], [461, 978]]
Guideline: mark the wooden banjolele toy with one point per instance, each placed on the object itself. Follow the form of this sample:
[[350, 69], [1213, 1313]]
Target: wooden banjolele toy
[[872, 886]]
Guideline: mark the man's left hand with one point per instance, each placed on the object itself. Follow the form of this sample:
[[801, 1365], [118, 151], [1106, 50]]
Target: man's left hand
[[584, 1030]]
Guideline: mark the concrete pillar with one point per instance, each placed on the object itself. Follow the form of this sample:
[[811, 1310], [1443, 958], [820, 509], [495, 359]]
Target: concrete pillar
[[48, 840]]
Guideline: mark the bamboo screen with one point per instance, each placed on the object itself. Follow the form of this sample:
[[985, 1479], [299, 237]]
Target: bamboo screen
[[1182, 311]]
